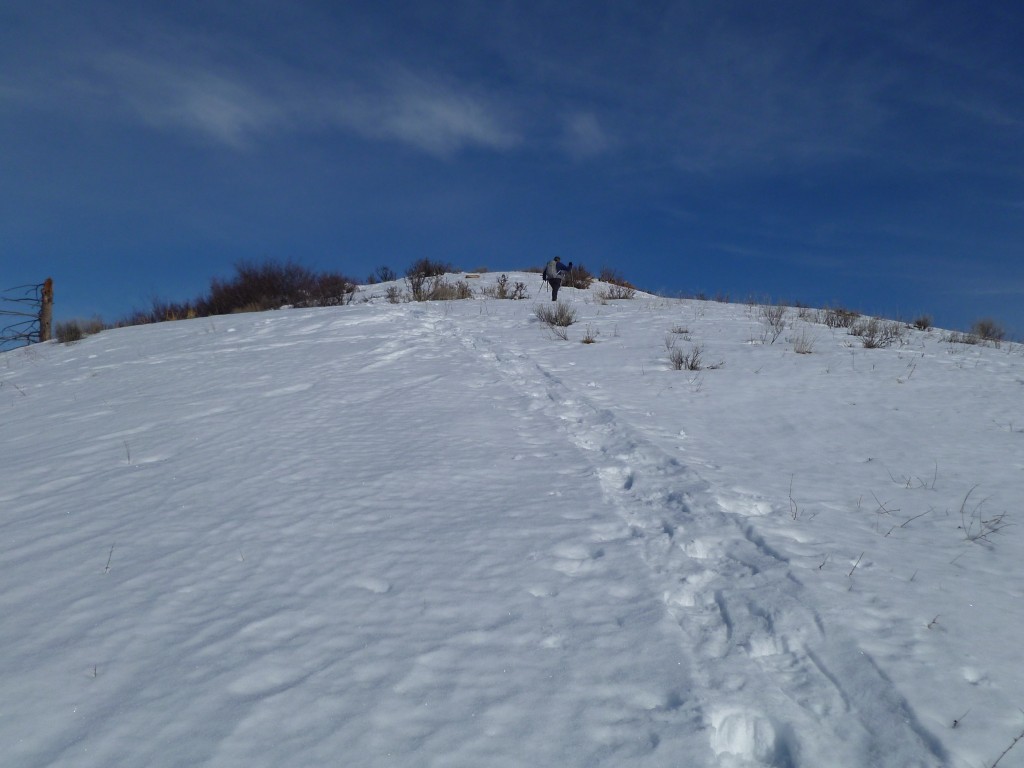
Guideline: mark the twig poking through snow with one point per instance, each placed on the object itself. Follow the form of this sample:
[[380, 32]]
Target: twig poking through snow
[[850, 574], [1006, 751], [794, 510]]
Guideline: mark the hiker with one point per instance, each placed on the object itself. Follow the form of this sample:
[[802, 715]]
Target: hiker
[[553, 275]]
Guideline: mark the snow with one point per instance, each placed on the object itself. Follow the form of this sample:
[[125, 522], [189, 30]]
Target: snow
[[434, 534]]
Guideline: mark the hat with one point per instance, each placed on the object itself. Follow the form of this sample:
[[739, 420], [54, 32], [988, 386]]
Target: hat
[[558, 258]]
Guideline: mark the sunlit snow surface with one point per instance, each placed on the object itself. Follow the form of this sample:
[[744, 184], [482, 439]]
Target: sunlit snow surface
[[436, 535]]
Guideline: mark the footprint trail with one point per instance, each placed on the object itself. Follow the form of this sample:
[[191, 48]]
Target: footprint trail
[[776, 686]]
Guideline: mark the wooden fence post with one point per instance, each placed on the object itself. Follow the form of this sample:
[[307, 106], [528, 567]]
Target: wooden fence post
[[46, 311]]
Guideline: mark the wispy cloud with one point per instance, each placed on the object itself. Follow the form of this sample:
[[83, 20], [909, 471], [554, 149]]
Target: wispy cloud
[[185, 89], [239, 110], [972, 108], [219, 106], [703, 88], [583, 135], [434, 117]]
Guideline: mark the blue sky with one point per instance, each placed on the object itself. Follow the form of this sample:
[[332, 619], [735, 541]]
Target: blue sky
[[866, 154]]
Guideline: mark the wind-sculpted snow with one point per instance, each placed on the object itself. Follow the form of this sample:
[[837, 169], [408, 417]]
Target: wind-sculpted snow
[[435, 535]]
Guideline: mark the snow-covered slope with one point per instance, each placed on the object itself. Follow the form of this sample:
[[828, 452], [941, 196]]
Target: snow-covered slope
[[434, 534]]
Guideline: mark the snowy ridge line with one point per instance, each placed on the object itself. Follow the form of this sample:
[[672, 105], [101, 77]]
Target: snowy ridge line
[[737, 603]]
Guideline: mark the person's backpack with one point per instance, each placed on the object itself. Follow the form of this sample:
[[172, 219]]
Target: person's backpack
[[552, 271]]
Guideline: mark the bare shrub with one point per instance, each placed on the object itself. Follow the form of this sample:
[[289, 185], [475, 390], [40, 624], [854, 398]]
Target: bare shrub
[[675, 358], [166, 311], [518, 292], [79, 326], [462, 291], [442, 290], [988, 329], [618, 287], [589, 337], [922, 322], [578, 277], [255, 287], [803, 343], [426, 284], [956, 337], [688, 361], [436, 288], [977, 525], [502, 290], [68, 331], [773, 316], [159, 312], [839, 318], [384, 274], [393, 294], [560, 315], [327, 290], [613, 292], [892, 330], [136, 317], [253, 307], [429, 268], [419, 286], [614, 277], [877, 334], [274, 284]]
